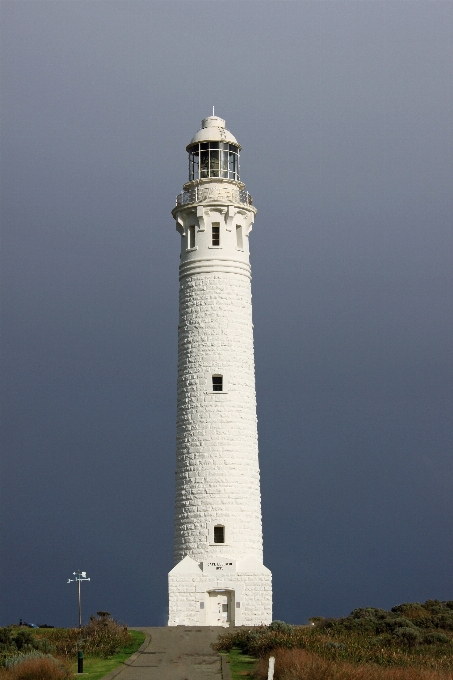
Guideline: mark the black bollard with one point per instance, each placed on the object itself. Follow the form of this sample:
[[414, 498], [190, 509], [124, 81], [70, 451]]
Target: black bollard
[[79, 662]]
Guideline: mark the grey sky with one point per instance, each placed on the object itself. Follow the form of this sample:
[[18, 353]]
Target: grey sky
[[344, 113]]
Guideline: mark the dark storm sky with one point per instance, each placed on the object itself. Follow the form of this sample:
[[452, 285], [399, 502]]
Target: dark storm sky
[[344, 111]]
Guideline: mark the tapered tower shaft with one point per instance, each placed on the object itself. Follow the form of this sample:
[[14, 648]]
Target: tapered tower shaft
[[218, 532]]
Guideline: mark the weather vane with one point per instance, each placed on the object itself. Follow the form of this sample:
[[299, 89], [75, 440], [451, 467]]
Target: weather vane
[[79, 577]]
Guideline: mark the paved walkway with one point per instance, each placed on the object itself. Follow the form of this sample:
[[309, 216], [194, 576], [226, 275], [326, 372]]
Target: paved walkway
[[175, 653]]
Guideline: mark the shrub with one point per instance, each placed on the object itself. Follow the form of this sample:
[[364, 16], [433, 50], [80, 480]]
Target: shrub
[[435, 637], [281, 627], [102, 636], [259, 641], [12, 661], [410, 636]]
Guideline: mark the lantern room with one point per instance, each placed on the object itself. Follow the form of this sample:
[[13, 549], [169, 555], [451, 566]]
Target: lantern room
[[213, 152]]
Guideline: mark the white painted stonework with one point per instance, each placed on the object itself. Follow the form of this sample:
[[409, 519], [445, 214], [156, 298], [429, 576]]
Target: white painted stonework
[[219, 577]]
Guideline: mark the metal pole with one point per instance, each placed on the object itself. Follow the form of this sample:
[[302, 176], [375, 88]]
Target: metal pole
[[80, 606]]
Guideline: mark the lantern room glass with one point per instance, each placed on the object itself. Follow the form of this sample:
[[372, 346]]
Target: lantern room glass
[[213, 159]]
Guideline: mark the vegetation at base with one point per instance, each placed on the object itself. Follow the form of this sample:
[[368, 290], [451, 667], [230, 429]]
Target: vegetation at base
[[241, 665], [103, 636], [299, 664], [19, 642], [38, 669], [95, 668], [410, 635], [47, 654]]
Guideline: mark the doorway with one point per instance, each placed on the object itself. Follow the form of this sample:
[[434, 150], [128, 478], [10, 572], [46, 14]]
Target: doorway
[[221, 608]]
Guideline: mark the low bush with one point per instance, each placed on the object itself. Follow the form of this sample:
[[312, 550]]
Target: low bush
[[408, 635], [280, 627], [436, 637], [259, 641], [103, 636], [12, 661]]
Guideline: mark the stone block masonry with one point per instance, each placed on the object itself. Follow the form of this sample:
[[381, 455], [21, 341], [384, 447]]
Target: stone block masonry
[[217, 474]]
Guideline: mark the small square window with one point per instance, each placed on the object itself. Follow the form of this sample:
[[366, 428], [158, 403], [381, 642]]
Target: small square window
[[217, 383], [216, 234], [219, 534]]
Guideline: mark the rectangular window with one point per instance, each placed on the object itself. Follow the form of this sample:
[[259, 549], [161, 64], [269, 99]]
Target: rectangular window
[[201, 605], [191, 242], [224, 608], [219, 534], [239, 243], [238, 605], [217, 383], [215, 233]]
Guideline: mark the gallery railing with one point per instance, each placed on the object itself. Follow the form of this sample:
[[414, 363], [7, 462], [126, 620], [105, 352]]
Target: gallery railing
[[214, 193]]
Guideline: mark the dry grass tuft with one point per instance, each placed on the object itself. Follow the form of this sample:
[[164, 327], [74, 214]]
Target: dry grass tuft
[[38, 669], [299, 664]]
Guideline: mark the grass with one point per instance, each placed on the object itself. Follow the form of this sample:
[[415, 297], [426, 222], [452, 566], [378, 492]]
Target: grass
[[95, 668], [241, 665]]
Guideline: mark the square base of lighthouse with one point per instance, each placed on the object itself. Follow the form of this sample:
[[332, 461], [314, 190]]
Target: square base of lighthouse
[[220, 593]]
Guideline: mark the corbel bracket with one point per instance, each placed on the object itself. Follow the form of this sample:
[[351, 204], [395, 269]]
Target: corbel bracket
[[200, 216], [230, 213]]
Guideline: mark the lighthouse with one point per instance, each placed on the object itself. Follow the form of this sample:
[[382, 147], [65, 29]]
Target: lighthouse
[[219, 578]]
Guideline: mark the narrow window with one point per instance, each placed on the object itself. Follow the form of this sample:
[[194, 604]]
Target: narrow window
[[239, 243], [201, 605], [217, 383], [216, 234], [219, 534], [225, 608], [191, 237], [238, 605]]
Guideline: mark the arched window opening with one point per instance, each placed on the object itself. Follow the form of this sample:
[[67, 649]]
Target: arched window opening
[[219, 534]]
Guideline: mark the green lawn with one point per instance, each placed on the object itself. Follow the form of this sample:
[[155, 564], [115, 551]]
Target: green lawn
[[95, 668], [241, 665]]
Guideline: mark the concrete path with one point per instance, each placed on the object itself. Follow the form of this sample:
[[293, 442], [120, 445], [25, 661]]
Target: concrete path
[[175, 653]]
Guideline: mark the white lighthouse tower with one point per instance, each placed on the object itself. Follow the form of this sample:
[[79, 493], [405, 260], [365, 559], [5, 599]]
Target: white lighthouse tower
[[219, 577]]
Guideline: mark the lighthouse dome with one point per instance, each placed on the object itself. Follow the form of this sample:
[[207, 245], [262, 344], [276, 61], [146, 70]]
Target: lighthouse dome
[[213, 130]]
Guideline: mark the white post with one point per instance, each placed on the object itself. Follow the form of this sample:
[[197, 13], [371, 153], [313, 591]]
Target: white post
[[270, 672]]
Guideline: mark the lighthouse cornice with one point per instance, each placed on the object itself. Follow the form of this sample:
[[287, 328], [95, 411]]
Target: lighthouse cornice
[[214, 193]]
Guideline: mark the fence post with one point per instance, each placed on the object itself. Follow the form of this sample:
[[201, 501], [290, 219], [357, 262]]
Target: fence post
[[270, 672]]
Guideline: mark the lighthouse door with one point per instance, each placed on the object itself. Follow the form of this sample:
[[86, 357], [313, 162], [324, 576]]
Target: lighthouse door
[[220, 609]]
